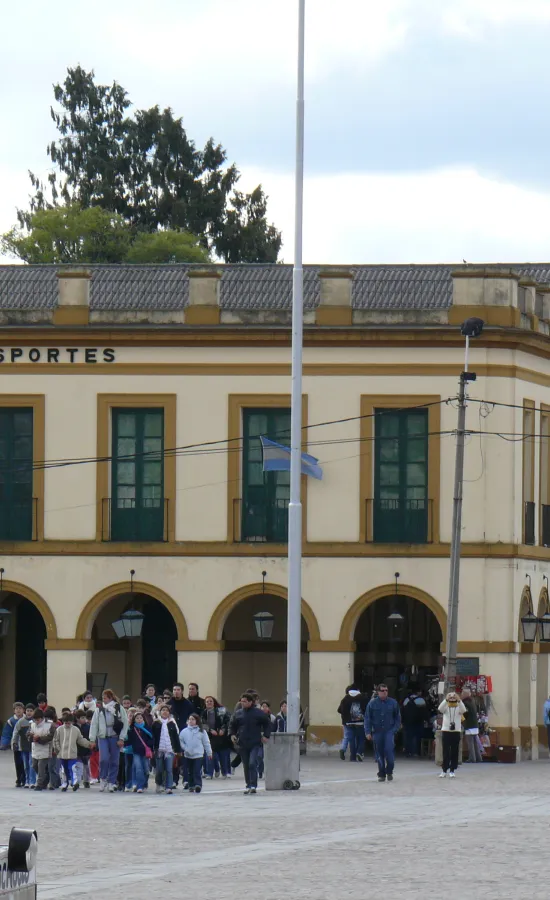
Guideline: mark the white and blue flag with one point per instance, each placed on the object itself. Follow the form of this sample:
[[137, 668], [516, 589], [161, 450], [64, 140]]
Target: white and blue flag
[[277, 459]]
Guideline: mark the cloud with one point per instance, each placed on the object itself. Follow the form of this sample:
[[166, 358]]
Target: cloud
[[472, 18], [439, 216]]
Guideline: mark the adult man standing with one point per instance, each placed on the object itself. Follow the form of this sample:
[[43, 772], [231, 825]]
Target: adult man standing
[[181, 709], [382, 721], [196, 702], [352, 711], [413, 713], [249, 728]]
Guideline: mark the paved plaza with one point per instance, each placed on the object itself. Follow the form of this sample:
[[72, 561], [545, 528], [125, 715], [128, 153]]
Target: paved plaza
[[342, 835]]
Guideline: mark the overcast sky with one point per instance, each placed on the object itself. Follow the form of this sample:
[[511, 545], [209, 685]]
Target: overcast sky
[[427, 121]]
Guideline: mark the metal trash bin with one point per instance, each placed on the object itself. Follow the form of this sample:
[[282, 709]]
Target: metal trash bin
[[18, 865], [282, 762]]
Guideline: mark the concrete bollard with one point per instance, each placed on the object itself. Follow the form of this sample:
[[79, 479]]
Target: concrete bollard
[[282, 762]]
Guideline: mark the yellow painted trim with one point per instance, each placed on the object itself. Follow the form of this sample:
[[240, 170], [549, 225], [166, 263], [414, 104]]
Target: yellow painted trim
[[236, 404], [202, 314], [221, 613], [105, 403], [38, 404], [71, 315], [543, 602], [329, 316], [199, 646], [332, 734], [349, 622], [331, 646], [499, 316], [15, 587], [93, 607], [69, 644], [473, 272], [371, 402]]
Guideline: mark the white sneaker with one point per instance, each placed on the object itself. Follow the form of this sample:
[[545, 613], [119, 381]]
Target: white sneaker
[[452, 775], [127, 790], [103, 785], [112, 788], [443, 775]]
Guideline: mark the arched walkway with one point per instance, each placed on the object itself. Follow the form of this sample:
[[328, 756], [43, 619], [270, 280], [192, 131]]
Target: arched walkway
[[222, 611], [15, 587], [98, 601], [349, 622]]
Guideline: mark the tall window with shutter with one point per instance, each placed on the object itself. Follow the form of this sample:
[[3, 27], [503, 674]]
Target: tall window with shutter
[[137, 501]]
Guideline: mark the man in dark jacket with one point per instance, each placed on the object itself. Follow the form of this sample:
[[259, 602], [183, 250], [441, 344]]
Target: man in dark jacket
[[352, 711], [414, 712], [180, 706], [249, 728], [196, 702], [382, 721]]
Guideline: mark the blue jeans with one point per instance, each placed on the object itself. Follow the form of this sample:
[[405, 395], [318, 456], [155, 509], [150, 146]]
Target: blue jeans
[[140, 771], [128, 770], [194, 769], [354, 738], [384, 745], [68, 767], [250, 757], [412, 735], [30, 774], [109, 753], [165, 767]]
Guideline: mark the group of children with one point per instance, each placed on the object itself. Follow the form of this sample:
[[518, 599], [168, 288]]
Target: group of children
[[157, 733]]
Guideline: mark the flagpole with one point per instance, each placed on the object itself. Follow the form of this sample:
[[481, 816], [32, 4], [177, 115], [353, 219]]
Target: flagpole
[[294, 625]]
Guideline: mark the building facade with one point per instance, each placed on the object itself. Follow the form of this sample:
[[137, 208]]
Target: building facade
[[131, 404]]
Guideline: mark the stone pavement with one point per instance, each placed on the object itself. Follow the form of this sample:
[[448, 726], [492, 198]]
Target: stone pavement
[[343, 834]]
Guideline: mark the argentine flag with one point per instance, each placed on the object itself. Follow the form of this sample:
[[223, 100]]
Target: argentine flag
[[277, 459]]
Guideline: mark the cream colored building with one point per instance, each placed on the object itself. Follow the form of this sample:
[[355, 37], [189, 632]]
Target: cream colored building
[[130, 403]]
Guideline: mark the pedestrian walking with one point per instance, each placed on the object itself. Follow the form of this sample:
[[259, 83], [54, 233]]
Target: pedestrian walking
[[452, 709], [22, 738], [83, 764], [166, 745], [215, 721], [109, 728], [196, 702], [181, 710], [195, 744], [382, 722], [141, 741], [414, 713], [7, 742], [42, 735], [249, 729], [546, 719], [281, 718], [471, 727], [352, 712], [67, 739]]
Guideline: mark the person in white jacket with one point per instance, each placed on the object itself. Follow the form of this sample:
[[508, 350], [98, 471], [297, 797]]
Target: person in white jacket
[[451, 732], [195, 743]]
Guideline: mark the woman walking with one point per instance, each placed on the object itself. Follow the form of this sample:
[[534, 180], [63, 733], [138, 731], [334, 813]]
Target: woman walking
[[166, 744], [452, 709], [194, 743], [141, 741], [471, 727], [215, 720], [109, 728]]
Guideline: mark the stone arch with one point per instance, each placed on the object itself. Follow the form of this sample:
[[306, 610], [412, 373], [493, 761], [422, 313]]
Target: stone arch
[[353, 614], [14, 587], [543, 602], [98, 601], [222, 611]]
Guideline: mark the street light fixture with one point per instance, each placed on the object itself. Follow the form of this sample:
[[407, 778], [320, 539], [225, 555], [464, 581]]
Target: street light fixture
[[263, 623], [5, 614], [130, 623], [529, 622], [395, 620], [544, 620]]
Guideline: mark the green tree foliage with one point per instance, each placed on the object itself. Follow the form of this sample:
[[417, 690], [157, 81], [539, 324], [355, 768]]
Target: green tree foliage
[[166, 247], [68, 234], [144, 168]]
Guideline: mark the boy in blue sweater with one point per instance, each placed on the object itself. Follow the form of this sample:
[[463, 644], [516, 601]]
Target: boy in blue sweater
[[6, 742]]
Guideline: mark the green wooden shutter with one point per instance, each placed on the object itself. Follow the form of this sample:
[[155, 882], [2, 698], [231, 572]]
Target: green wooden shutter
[[401, 476], [16, 474], [265, 494], [137, 495]]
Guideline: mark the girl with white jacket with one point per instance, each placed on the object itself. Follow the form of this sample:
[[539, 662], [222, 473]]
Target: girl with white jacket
[[195, 744]]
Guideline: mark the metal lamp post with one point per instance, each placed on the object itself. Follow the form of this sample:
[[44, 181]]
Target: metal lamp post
[[471, 328], [529, 622], [130, 623], [5, 614]]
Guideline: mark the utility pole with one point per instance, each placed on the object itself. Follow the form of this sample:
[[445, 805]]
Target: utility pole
[[471, 328], [294, 624]]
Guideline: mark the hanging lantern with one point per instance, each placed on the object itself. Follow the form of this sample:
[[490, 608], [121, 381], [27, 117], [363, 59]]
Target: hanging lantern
[[544, 623], [395, 620], [263, 623], [130, 623], [529, 622]]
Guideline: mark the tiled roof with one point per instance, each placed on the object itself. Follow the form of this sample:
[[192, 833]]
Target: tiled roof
[[243, 287]]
